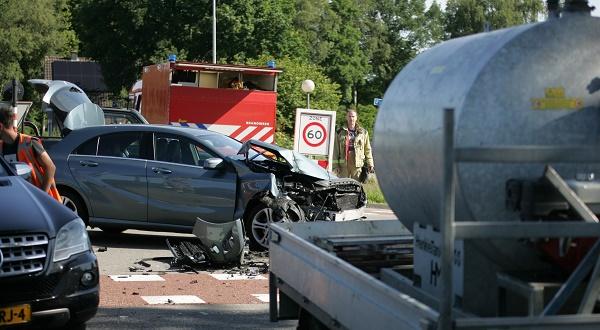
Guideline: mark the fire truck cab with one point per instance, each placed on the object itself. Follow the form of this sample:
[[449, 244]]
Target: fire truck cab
[[239, 101]]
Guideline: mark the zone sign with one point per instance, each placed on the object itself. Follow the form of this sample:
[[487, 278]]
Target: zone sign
[[314, 129]]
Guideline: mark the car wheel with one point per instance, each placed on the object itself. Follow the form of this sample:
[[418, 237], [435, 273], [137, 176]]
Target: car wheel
[[72, 201], [263, 215]]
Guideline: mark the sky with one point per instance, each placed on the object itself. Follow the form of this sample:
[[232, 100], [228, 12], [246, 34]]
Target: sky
[[593, 3]]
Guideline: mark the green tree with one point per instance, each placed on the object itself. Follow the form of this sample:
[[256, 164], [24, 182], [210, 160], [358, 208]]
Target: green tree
[[464, 17], [126, 35], [393, 33], [30, 31], [347, 61], [434, 25], [326, 95]]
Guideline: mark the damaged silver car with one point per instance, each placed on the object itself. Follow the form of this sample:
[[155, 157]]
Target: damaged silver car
[[300, 190], [168, 178]]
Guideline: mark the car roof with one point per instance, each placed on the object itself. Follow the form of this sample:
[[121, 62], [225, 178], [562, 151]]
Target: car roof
[[118, 109], [77, 137], [190, 131]]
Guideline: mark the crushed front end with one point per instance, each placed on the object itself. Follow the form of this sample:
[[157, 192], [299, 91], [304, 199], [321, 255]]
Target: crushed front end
[[337, 199]]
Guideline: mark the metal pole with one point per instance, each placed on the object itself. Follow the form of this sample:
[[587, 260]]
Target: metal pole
[[14, 102], [447, 223], [307, 100], [214, 48]]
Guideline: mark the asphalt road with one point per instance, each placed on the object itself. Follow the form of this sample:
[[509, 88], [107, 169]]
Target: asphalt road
[[141, 289]]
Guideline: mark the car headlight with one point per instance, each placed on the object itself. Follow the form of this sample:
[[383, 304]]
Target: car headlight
[[71, 239]]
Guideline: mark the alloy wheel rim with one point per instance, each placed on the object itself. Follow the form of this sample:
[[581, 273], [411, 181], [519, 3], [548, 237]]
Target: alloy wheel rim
[[260, 226], [70, 204]]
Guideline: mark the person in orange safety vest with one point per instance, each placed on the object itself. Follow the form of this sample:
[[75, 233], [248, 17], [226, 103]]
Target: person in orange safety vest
[[18, 147]]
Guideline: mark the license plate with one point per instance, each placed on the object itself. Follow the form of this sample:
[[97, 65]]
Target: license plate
[[15, 314]]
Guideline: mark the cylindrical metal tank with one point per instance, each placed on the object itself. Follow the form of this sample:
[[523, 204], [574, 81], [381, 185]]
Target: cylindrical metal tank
[[529, 85], [534, 84]]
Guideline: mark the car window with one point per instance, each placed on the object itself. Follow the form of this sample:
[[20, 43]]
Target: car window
[[120, 118], [223, 144], [124, 144], [177, 149], [88, 148]]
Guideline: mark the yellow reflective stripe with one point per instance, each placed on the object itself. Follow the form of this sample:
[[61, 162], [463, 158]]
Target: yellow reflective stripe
[[338, 161]]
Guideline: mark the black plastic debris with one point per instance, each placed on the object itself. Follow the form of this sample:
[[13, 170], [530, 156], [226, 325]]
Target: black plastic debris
[[186, 253], [143, 263], [189, 256]]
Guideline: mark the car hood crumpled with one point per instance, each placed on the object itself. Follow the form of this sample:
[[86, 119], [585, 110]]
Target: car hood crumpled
[[296, 161], [23, 205]]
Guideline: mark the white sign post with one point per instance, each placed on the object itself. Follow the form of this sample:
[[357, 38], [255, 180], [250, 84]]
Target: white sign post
[[314, 133], [22, 109]]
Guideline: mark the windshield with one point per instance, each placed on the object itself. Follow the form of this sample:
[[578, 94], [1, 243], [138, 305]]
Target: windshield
[[222, 144]]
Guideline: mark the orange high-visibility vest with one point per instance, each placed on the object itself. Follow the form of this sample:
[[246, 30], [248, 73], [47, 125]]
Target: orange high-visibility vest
[[26, 155]]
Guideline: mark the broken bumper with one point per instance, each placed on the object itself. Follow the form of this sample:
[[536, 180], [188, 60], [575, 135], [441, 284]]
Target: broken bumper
[[348, 215], [223, 242]]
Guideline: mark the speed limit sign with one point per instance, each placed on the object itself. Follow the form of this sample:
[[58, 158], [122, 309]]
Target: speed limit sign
[[313, 133]]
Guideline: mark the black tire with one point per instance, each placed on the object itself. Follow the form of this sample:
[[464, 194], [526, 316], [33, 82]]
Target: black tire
[[258, 220], [74, 202]]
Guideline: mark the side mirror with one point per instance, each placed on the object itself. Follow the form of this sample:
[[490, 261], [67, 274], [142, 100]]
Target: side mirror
[[23, 170], [213, 163]]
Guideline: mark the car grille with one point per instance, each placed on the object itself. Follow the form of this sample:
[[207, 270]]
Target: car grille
[[23, 254], [347, 201], [27, 288]]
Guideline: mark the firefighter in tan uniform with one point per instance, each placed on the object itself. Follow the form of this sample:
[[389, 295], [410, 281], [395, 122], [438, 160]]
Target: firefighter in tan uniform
[[17, 147], [352, 149]]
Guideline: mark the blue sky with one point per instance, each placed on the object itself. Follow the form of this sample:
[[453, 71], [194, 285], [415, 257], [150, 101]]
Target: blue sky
[[594, 3]]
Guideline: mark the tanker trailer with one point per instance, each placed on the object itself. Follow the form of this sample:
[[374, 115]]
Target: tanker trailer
[[532, 87]]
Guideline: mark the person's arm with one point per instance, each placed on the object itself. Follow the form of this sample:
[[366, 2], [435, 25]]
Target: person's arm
[[49, 170], [368, 153]]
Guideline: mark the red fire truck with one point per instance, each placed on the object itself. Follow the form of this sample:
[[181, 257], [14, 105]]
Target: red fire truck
[[239, 101]]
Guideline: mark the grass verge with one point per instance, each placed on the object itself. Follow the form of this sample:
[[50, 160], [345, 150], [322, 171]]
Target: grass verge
[[374, 193]]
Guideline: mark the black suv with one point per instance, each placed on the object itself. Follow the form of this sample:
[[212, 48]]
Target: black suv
[[48, 272]]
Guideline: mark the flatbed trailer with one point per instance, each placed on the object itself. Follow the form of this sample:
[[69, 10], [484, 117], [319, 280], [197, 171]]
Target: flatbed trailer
[[339, 294]]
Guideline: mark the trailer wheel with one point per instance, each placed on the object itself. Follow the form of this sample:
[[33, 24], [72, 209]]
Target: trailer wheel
[[264, 214]]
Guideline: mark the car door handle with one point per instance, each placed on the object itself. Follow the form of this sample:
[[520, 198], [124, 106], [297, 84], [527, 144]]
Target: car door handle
[[88, 163], [161, 170]]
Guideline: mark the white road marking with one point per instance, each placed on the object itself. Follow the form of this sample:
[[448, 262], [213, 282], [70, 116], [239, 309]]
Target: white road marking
[[379, 211], [158, 300], [136, 278], [236, 277], [264, 297]]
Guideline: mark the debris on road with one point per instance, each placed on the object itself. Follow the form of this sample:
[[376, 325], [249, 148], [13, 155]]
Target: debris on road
[[143, 263], [102, 249], [188, 255]]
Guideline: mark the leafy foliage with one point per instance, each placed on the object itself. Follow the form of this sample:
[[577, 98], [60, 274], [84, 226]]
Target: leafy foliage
[[393, 34], [326, 95], [352, 50], [464, 17], [30, 31]]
